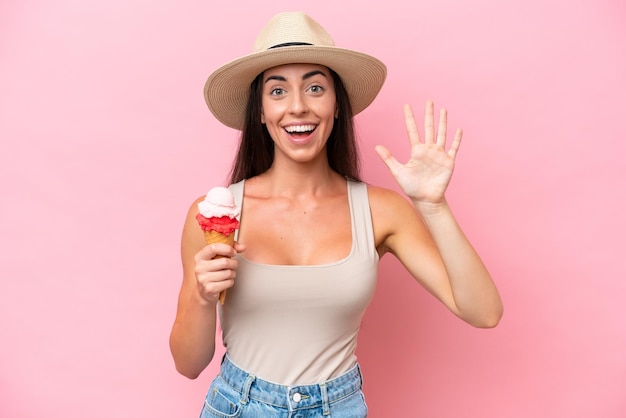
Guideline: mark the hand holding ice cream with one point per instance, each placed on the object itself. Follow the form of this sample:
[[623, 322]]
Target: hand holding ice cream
[[218, 219]]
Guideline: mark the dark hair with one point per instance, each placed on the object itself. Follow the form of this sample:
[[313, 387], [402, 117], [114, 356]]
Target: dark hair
[[256, 148]]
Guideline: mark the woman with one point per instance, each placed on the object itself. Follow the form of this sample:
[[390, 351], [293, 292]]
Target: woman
[[304, 268]]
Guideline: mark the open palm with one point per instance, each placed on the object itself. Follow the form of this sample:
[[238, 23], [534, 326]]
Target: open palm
[[425, 176]]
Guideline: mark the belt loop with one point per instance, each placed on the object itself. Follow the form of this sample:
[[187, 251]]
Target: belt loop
[[325, 406], [246, 388]]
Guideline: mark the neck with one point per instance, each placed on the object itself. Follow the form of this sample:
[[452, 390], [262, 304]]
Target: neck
[[294, 179]]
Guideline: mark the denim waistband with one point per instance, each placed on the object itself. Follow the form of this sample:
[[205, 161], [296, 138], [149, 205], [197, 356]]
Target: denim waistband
[[291, 397]]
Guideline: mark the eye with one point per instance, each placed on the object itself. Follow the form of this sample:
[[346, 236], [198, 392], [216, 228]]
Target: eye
[[277, 91], [316, 89]]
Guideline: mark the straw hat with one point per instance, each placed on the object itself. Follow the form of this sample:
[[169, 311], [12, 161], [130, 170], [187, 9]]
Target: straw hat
[[290, 38]]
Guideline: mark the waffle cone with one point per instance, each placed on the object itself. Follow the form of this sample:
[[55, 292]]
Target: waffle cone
[[212, 237]]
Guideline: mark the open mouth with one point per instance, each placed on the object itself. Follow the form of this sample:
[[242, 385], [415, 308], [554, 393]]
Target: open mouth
[[300, 131]]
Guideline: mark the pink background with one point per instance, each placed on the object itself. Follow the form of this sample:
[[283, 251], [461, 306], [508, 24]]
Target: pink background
[[106, 140]]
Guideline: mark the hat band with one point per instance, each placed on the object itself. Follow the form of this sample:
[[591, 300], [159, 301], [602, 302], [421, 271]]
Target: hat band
[[288, 44]]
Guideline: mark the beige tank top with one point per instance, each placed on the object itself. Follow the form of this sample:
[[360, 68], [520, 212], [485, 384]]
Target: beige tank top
[[298, 325]]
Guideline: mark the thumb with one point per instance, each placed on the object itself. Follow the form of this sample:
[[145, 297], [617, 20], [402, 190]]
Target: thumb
[[239, 247], [388, 159]]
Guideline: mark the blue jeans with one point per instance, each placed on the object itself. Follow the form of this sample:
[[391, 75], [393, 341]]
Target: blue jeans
[[236, 393]]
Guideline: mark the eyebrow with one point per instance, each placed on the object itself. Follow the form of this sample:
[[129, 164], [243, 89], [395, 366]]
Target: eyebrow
[[304, 77]]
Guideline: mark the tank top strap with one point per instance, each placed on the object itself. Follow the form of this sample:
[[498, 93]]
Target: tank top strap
[[237, 190], [362, 229]]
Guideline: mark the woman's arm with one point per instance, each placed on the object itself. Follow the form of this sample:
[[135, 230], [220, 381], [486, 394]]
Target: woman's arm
[[192, 339], [425, 235]]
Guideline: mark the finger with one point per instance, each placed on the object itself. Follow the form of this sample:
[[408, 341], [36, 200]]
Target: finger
[[442, 129], [456, 144], [411, 126], [216, 249], [211, 288], [221, 279], [212, 277], [215, 265], [429, 123], [388, 159]]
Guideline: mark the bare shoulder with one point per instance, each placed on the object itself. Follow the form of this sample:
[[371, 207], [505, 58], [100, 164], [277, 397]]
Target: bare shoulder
[[391, 213], [192, 237], [193, 210], [383, 201]]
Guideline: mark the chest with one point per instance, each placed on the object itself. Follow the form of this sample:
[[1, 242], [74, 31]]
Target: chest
[[291, 232]]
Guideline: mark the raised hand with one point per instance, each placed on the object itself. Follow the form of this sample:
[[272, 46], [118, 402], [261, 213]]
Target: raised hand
[[424, 178]]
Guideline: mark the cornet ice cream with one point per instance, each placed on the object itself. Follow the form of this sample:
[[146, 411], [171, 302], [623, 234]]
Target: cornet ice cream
[[218, 219]]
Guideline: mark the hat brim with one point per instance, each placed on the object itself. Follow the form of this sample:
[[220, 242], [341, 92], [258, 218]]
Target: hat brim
[[226, 90]]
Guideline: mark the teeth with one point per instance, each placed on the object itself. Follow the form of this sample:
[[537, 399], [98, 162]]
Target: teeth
[[300, 128]]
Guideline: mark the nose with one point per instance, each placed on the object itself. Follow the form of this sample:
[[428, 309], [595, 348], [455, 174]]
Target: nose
[[298, 105]]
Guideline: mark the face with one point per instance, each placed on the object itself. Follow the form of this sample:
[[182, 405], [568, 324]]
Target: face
[[298, 108]]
